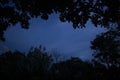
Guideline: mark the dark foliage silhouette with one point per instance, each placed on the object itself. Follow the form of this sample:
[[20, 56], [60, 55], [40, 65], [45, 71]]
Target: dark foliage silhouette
[[107, 47], [99, 12], [72, 69], [38, 65], [18, 66]]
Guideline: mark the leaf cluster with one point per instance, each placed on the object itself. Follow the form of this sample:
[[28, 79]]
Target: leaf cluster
[[99, 12]]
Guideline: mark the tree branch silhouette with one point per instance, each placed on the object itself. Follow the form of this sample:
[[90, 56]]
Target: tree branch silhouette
[[99, 12]]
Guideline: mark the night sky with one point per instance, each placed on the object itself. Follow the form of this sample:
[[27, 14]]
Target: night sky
[[52, 34]]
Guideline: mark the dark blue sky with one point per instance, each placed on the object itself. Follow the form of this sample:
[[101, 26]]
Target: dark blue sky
[[54, 35]]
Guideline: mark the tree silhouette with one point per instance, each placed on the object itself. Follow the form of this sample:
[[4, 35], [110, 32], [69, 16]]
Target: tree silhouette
[[36, 65], [12, 65], [107, 47], [18, 66], [100, 71], [72, 69], [99, 12], [39, 62]]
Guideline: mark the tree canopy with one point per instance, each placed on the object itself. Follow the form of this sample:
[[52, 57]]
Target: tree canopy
[[37, 64], [106, 47], [99, 12], [19, 66]]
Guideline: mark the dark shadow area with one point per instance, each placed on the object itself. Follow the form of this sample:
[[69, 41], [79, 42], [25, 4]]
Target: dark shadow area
[[37, 64]]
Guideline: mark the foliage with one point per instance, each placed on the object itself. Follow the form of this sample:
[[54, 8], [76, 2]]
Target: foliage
[[36, 65], [99, 12], [18, 66], [72, 69], [107, 47]]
